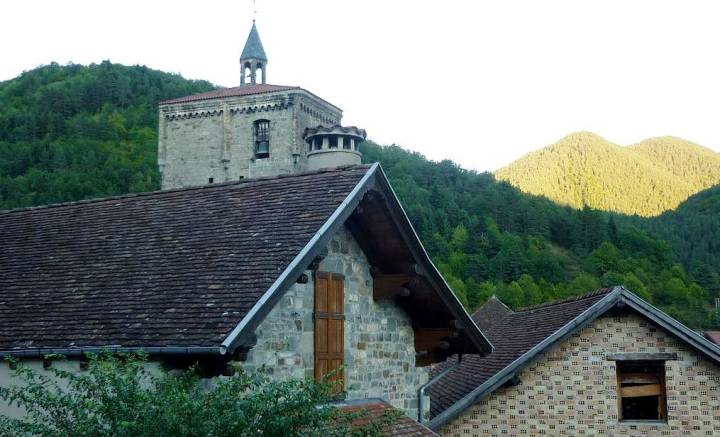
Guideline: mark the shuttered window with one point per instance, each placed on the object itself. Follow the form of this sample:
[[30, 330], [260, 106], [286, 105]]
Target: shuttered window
[[329, 325]]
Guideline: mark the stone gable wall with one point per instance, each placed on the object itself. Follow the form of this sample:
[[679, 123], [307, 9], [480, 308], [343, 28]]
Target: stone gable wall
[[572, 389], [379, 340]]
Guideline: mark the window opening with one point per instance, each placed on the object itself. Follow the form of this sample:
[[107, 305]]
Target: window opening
[[262, 139], [641, 390]]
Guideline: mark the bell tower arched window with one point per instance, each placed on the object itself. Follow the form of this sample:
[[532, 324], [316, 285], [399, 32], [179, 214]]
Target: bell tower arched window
[[262, 138]]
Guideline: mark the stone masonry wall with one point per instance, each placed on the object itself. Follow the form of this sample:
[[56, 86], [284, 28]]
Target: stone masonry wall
[[379, 341], [215, 138], [572, 389]]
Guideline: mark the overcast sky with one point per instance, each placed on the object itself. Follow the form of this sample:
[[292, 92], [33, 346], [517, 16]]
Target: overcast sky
[[478, 82]]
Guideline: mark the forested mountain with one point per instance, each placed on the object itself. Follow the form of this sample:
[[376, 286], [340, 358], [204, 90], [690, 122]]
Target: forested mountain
[[646, 178], [693, 229], [73, 132]]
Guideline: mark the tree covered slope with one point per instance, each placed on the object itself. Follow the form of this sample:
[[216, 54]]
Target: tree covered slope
[[645, 179], [74, 132]]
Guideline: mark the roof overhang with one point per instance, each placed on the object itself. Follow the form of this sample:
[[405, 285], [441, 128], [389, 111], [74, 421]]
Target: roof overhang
[[374, 187]]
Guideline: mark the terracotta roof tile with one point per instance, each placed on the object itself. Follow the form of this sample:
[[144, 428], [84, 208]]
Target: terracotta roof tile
[[376, 409], [231, 92], [169, 268]]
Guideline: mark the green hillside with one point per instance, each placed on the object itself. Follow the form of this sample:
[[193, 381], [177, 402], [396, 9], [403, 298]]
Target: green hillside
[[73, 132], [488, 238], [645, 179]]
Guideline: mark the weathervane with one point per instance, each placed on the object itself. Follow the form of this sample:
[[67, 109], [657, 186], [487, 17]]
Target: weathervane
[[254, 10]]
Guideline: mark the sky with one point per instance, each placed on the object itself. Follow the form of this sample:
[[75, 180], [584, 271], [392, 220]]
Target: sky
[[478, 82]]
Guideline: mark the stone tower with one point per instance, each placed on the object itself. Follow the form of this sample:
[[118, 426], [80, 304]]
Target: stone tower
[[255, 129]]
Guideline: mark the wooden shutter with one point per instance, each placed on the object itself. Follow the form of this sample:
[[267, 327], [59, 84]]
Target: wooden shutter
[[329, 325]]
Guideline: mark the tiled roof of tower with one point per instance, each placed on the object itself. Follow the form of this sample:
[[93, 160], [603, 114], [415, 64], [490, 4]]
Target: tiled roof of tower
[[178, 268], [220, 93], [253, 46], [512, 335]]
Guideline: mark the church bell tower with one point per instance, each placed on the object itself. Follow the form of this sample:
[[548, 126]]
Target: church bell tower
[[253, 61]]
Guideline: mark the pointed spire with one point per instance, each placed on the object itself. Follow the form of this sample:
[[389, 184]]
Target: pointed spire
[[253, 46]]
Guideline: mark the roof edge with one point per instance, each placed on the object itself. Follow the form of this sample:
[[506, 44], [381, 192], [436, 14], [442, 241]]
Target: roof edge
[[418, 251], [286, 88], [689, 336], [299, 264], [77, 351], [171, 190], [511, 369]]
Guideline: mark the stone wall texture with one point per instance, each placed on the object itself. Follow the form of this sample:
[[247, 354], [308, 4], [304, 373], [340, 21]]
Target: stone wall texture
[[572, 389], [215, 138], [379, 340]]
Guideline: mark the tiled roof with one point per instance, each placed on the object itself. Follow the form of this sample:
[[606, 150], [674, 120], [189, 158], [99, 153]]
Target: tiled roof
[[220, 93], [492, 311], [169, 268], [376, 409], [713, 336], [512, 335], [253, 46]]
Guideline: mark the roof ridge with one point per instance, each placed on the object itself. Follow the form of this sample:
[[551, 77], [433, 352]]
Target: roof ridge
[[598, 292], [181, 189]]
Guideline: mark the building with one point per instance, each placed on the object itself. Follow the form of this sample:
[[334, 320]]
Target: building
[[253, 130], [607, 363], [298, 273]]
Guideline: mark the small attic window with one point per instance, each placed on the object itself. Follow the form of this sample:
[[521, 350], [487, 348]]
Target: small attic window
[[641, 391]]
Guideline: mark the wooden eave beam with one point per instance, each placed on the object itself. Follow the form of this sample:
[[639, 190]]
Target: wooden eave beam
[[388, 286]]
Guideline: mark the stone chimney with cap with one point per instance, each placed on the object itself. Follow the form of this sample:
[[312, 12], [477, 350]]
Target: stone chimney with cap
[[333, 146]]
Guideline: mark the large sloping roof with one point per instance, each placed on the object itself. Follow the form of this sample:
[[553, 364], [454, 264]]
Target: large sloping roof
[[196, 270], [523, 335], [178, 268]]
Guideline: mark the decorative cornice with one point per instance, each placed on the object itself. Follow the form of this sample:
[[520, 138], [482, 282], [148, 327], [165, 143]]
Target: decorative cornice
[[248, 109]]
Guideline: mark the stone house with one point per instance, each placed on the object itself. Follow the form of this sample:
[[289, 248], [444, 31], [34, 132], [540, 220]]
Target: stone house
[[607, 363], [300, 274]]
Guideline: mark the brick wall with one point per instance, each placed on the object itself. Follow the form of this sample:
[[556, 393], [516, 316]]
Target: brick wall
[[571, 390]]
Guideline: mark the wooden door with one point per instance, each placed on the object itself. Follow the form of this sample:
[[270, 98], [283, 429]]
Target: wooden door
[[329, 325]]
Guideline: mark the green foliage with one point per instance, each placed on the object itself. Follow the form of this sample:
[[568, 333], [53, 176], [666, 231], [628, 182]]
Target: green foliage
[[128, 396], [646, 179], [75, 132], [488, 238]]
